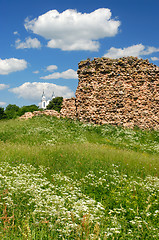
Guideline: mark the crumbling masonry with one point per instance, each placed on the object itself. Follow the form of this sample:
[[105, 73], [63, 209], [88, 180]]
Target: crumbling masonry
[[121, 91]]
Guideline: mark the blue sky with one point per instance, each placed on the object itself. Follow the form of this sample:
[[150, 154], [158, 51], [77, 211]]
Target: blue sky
[[42, 42]]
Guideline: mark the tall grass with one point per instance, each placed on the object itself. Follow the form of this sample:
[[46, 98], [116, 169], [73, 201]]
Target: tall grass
[[51, 131], [61, 179]]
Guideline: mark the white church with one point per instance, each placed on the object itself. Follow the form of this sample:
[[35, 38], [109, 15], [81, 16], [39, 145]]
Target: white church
[[44, 101]]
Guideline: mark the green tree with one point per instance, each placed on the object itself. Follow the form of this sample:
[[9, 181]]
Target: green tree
[[2, 113], [30, 108], [11, 111], [55, 103]]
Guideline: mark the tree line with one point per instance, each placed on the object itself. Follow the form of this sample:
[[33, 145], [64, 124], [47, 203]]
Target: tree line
[[13, 111]]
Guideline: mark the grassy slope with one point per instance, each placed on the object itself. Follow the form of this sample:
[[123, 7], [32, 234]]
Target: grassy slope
[[58, 143], [75, 149]]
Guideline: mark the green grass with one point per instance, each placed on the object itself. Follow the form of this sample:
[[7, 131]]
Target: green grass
[[61, 179], [51, 131]]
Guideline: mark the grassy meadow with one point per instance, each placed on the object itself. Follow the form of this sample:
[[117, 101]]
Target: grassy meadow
[[62, 179]]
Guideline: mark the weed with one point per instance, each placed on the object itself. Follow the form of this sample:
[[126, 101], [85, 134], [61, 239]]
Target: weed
[[61, 179]]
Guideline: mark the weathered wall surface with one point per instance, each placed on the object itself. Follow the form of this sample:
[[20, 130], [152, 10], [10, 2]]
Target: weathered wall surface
[[28, 115], [118, 91], [69, 108]]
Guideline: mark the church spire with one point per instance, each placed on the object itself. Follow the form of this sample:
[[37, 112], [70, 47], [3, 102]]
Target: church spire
[[53, 95], [43, 101], [43, 93]]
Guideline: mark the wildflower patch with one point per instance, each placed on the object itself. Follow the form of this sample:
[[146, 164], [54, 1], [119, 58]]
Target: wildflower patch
[[103, 205]]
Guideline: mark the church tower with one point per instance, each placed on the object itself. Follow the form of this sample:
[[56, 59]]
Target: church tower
[[53, 95], [43, 101]]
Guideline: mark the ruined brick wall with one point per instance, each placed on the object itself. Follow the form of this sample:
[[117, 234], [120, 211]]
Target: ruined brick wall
[[121, 91], [28, 115], [68, 108]]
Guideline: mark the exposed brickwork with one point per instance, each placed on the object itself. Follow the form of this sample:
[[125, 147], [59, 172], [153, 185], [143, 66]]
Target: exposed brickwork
[[68, 108], [28, 115], [121, 91]]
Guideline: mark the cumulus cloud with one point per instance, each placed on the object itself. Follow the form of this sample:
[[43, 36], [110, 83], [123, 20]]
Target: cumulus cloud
[[51, 68], [33, 91], [82, 44], [72, 30], [135, 51], [3, 103], [29, 43], [12, 65], [154, 58], [3, 86], [68, 74]]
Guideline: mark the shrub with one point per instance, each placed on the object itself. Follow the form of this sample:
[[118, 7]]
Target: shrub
[[2, 113], [11, 111], [30, 108], [55, 104]]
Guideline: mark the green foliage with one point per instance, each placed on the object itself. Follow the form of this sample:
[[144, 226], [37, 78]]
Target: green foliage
[[30, 108], [51, 130], [2, 113], [100, 203], [11, 111], [62, 179], [12, 107], [55, 103]]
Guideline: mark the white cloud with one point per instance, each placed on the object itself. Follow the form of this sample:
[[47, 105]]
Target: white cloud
[[51, 68], [149, 50], [68, 74], [12, 65], [3, 103], [135, 51], [154, 58], [36, 72], [77, 45], [72, 30], [15, 33], [29, 43], [3, 86], [33, 91]]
